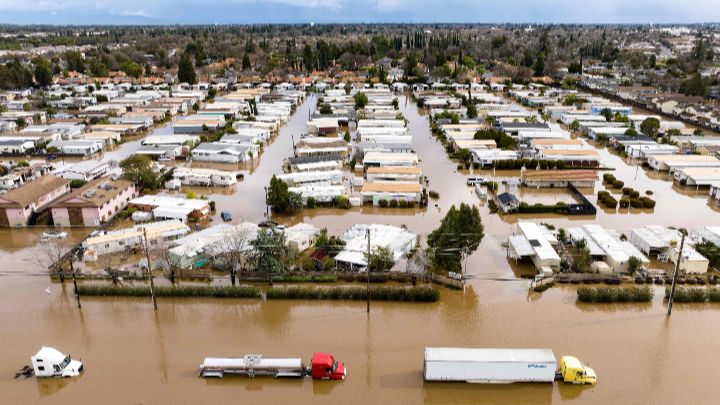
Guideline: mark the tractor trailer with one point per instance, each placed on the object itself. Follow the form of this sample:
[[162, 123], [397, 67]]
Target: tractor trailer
[[503, 366], [323, 366]]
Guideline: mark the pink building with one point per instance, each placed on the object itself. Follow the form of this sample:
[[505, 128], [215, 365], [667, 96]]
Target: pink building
[[18, 206], [93, 204]]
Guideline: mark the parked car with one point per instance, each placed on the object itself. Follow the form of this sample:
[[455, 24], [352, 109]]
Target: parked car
[[53, 234], [473, 180]]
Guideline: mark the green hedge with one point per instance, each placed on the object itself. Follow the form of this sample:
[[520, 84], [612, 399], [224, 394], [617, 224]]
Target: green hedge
[[614, 294], [694, 294], [355, 293], [112, 290], [297, 278], [558, 208]]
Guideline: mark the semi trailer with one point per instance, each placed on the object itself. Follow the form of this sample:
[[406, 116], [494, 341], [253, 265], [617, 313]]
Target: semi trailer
[[323, 366], [503, 366]]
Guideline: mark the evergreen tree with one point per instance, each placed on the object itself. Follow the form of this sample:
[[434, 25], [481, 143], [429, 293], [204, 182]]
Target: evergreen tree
[[186, 70]]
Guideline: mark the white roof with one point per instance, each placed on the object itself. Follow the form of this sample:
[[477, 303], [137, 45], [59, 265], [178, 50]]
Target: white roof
[[170, 202], [538, 239], [398, 240], [211, 239], [490, 355]]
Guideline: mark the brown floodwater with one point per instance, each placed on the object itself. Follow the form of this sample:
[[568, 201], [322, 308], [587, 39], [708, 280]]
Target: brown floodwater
[[133, 354]]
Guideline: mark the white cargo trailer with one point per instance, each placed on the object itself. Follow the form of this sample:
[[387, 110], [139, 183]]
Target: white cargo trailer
[[489, 365], [252, 365]]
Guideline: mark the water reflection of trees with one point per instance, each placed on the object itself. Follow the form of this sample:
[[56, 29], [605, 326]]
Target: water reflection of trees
[[613, 307]]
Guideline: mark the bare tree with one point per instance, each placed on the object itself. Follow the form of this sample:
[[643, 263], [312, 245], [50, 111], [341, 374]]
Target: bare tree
[[161, 256], [60, 255], [232, 248]]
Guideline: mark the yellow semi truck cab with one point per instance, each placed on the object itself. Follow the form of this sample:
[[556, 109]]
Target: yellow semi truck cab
[[573, 371]]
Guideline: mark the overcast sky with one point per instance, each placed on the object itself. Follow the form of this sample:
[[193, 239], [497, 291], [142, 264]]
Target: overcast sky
[[322, 11]]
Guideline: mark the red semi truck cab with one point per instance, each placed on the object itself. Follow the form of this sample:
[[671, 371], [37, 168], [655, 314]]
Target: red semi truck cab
[[325, 367]]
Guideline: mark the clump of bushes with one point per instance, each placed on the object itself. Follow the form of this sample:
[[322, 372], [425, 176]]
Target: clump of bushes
[[542, 287], [606, 199], [434, 194], [376, 293], [383, 203], [343, 202], [694, 294], [393, 203], [113, 290], [624, 202], [617, 184], [311, 202], [608, 178], [614, 294]]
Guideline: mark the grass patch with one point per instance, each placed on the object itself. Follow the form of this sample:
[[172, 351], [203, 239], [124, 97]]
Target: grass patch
[[377, 293]]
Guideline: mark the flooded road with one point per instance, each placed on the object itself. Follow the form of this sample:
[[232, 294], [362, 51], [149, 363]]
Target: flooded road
[[133, 354]]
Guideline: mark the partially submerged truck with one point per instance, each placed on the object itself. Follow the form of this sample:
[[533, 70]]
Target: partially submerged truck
[[323, 366], [503, 366], [50, 362]]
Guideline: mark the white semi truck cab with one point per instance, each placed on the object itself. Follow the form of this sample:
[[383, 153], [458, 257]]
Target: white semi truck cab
[[49, 362]]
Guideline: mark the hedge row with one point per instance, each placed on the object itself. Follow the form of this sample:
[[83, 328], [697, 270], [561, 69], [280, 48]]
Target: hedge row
[[377, 293], [558, 208], [111, 290], [544, 164], [298, 278], [698, 294], [615, 294]]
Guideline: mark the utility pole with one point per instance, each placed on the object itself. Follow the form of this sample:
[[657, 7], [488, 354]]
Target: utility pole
[[368, 271], [675, 276], [149, 269], [75, 287]]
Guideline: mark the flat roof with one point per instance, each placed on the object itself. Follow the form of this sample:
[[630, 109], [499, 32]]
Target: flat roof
[[392, 187], [489, 355], [577, 175], [395, 170]]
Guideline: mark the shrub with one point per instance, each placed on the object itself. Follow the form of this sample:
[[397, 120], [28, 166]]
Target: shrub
[[353, 293], [617, 184], [404, 204], [383, 203], [542, 287], [460, 166], [393, 203], [476, 165], [648, 202], [434, 194], [634, 194], [168, 291], [636, 203], [343, 202], [608, 178], [614, 294], [624, 202], [311, 202], [626, 190]]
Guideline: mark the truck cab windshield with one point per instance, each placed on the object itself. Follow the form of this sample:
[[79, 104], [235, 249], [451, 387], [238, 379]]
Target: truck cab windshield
[[334, 366], [64, 363]]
